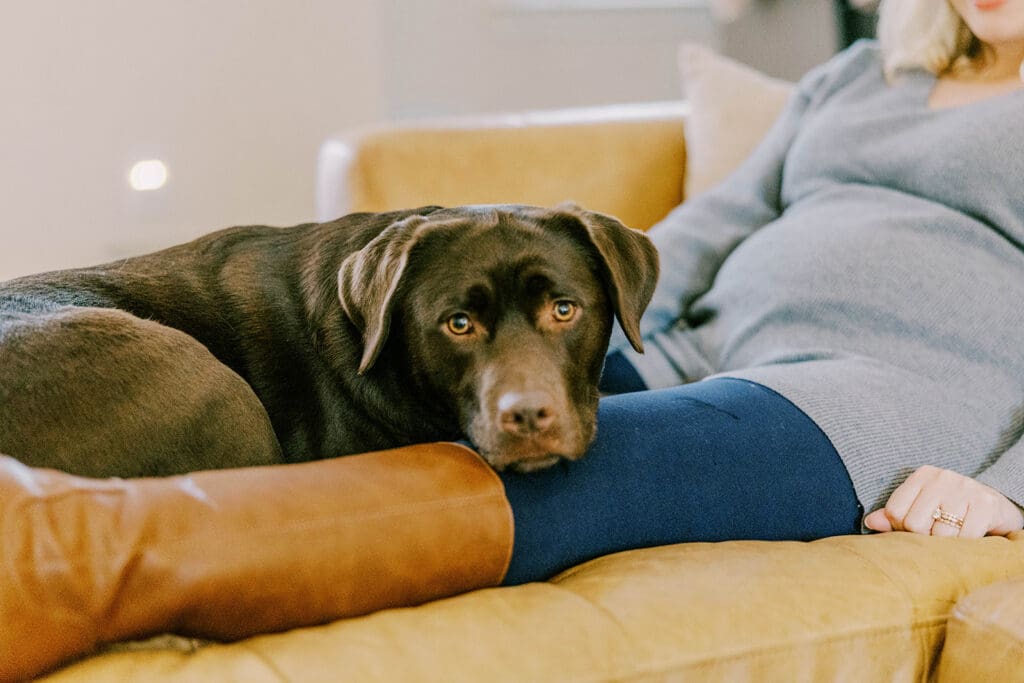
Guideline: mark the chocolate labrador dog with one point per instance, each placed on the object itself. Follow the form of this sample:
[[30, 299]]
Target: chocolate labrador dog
[[259, 345]]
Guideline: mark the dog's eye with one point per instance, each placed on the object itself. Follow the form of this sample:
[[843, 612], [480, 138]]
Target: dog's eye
[[563, 311], [460, 324]]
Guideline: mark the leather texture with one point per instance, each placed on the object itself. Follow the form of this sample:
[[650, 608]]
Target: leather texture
[[985, 636], [623, 160], [231, 553], [848, 608]]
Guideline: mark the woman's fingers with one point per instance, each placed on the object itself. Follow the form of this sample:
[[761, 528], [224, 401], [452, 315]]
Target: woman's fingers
[[877, 521], [1008, 517], [976, 524], [900, 502], [944, 503], [920, 517]]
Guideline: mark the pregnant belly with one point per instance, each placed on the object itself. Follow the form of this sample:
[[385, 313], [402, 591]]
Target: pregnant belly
[[849, 277]]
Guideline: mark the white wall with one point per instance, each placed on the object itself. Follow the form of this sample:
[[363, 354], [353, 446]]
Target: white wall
[[444, 56], [236, 95], [782, 37]]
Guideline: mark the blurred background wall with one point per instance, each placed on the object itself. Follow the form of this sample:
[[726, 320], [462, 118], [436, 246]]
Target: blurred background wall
[[234, 96]]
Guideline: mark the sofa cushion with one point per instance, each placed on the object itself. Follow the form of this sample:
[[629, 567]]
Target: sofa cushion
[[856, 608], [732, 106], [985, 635]]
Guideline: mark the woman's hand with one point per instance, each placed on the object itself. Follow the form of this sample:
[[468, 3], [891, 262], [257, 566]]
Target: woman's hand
[[913, 505]]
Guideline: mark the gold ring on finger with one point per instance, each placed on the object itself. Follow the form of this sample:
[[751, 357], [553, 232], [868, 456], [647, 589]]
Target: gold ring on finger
[[943, 517]]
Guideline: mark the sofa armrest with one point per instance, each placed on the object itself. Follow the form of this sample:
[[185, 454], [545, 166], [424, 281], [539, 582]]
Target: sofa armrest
[[624, 160]]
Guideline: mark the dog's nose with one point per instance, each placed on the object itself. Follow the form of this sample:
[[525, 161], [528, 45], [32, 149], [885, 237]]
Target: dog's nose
[[526, 412]]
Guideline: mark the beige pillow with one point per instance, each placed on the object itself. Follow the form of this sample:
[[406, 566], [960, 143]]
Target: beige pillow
[[732, 107]]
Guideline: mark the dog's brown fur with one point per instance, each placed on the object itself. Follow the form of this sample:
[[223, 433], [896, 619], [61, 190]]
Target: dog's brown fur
[[259, 345]]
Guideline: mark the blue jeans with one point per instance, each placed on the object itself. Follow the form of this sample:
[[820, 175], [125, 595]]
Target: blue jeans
[[721, 459]]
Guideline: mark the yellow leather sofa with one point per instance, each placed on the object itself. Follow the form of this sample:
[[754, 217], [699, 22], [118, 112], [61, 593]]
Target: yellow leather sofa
[[894, 607]]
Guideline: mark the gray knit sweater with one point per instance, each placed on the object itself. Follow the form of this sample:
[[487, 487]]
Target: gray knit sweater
[[866, 262]]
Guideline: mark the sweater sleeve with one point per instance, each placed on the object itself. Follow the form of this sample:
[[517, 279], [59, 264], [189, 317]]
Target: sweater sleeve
[[1006, 474], [694, 239]]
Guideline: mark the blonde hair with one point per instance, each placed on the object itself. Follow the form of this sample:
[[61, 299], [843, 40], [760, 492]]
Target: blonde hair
[[925, 34]]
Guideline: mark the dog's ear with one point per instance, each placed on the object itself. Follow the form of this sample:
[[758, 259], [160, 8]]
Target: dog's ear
[[369, 278], [631, 261]]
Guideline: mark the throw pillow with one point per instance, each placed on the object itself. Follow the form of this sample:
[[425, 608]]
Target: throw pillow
[[732, 106]]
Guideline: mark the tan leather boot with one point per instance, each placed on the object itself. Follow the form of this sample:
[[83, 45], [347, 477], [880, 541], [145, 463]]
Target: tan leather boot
[[230, 553]]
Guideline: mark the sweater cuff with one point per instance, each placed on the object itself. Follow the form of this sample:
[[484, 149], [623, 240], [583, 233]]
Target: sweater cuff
[[1006, 474]]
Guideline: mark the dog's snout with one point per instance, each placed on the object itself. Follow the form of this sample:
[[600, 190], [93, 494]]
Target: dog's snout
[[526, 412]]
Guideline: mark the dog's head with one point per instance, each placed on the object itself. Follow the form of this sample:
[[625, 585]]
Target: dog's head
[[505, 312]]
